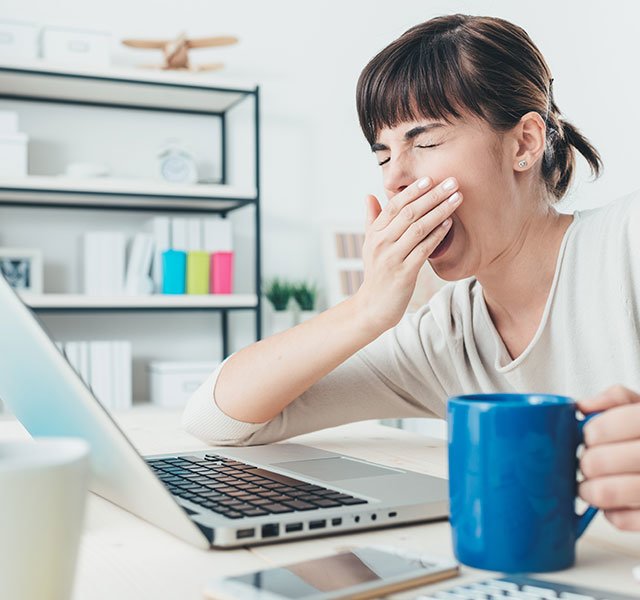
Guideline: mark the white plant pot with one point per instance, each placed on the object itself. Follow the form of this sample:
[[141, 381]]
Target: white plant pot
[[281, 320], [305, 315]]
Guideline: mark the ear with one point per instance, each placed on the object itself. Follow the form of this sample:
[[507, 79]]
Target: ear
[[529, 137]]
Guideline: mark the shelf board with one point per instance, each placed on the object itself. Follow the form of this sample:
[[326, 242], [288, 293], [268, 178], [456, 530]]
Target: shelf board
[[80, 302], [204, 93], [109, 192]]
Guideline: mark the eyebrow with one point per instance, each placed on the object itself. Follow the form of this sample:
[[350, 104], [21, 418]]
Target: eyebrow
[[409, 135]]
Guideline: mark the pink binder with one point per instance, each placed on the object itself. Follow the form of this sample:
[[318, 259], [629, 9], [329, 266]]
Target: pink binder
[[221, 273]]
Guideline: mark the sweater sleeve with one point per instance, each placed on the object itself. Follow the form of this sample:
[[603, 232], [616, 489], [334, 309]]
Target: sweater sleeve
[[389, 378]]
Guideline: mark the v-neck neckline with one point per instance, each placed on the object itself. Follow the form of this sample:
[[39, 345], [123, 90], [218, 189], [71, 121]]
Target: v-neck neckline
[[503, 362]]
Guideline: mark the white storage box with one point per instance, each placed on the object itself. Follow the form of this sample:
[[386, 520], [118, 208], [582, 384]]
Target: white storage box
[[18, 41], [172, 383], [76, 46], [13, 154]]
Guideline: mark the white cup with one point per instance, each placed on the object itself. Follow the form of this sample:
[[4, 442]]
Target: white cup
[[43, 490]]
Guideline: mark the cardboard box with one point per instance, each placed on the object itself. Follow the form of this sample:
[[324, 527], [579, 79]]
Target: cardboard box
[[13, 154], [18, 41], [76, 46], [171, 383]]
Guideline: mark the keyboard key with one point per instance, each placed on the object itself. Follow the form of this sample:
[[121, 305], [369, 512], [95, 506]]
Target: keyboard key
[[352, 501], [299, 505], [277, 508], [232, 514], [326, 503], [254, 512], [572, 596]]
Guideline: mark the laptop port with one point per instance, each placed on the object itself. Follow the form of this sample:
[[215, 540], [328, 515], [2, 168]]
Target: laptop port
[[357, 519], [337, 521], [374, 517], [289, 527], [270, 530], [245, 533], [393, 514], [317, 524]]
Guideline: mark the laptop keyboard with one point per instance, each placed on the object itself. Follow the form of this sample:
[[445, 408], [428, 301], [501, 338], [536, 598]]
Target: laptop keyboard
[[236, 489]]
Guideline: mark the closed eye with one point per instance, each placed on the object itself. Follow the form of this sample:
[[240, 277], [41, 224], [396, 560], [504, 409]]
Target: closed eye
[[386, 160]]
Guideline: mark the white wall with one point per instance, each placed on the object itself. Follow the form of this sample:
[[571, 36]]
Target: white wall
[[316, 167]]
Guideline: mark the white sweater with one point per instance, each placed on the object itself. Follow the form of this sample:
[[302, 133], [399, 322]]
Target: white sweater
[[588, 339]]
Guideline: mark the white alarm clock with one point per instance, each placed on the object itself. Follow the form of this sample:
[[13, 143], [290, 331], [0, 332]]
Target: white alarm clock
[[177, 165]]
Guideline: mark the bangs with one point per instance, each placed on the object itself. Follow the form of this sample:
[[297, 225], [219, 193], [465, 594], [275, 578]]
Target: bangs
[[424, 77]]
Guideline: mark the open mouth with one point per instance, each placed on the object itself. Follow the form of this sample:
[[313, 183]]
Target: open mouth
[[443, 246]]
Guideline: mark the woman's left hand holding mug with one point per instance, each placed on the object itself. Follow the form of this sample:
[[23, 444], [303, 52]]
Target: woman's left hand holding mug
[[610, 462]]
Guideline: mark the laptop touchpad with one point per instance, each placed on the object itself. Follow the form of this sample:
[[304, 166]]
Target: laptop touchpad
[[334, 469]]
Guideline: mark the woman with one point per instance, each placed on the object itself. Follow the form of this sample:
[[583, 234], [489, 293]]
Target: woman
[[459, 112]]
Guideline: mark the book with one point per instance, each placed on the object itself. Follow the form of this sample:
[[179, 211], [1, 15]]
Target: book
[[104, 263], [218, 235], [221, 273], [121, 357], [174, 267], [137, 281], [194, 234], [179, 234], [197, 272], [101, 372], [161, 233]]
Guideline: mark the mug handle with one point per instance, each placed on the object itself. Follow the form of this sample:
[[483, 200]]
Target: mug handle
[[586, 517]]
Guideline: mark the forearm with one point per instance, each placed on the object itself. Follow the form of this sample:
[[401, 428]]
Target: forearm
[[258, 382]]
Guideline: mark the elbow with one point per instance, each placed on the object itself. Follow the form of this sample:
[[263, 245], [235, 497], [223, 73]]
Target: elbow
[[206, 422]]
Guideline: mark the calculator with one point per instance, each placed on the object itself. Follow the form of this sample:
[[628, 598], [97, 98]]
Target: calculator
[[522, 588]]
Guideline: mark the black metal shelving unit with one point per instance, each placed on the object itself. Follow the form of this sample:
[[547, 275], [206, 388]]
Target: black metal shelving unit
[[164, 92]]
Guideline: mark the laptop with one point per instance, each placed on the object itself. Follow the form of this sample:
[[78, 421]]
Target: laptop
[[218, 497]]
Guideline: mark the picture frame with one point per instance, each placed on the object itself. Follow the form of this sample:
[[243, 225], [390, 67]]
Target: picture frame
[[22, 268]]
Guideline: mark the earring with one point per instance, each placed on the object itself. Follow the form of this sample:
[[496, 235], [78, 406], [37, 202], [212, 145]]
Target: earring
[[522, 163]]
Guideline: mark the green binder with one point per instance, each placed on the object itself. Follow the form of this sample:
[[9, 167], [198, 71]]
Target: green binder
[[197, 272]]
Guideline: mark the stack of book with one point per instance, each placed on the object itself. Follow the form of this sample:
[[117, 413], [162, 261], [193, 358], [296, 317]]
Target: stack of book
[[178, 256], [105, 367], [193, 256]]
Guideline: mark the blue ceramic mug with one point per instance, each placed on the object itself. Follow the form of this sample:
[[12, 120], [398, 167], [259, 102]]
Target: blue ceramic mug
[[512, 481]]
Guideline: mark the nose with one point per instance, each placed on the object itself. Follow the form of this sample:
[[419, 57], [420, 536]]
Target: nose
[[397, 176]]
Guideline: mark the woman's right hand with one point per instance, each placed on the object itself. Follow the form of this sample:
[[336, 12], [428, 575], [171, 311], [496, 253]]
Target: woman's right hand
[[399, 238]]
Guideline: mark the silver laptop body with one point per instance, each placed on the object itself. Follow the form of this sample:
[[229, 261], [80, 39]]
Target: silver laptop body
[[46, 395]]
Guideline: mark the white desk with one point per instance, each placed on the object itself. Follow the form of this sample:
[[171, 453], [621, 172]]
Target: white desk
[[125, 558]]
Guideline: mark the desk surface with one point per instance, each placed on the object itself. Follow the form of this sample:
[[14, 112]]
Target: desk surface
[[123, 557]]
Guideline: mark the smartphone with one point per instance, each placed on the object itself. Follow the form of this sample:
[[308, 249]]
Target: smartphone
[[359, 573]]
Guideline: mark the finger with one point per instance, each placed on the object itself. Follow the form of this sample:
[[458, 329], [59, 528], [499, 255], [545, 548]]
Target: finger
[[419, 255], [613, 396], [612, 491], [611, 459], [395, 205], [614, 425], [421, 228], [412, 212], [625, 519], [373, 209]]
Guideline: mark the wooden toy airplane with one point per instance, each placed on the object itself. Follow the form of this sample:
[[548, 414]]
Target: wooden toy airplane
[[176, 51]]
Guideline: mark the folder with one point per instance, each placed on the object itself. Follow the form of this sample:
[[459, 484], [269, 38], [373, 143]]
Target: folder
[[197, 272], [174, 266]]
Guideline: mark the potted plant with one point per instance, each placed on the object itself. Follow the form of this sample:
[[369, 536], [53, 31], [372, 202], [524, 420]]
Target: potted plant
[[305, 295], [278, 293]]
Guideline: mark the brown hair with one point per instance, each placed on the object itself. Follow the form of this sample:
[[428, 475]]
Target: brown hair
[[484, 65]]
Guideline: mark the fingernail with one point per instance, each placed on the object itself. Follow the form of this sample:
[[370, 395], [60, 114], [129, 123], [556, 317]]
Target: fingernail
[[446, 223], [454, 198], [424, 182], [449, 184]]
